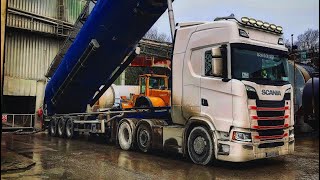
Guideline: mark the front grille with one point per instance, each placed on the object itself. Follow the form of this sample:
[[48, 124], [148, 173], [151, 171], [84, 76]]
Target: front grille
[[271, 123], [270, 113], [271, 145], [271, 132], [270, 104]]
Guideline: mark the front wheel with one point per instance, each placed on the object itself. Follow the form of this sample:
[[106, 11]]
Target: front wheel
[[200, 146]]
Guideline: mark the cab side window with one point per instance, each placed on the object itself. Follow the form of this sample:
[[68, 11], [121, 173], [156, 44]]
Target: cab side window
[[208, 63]]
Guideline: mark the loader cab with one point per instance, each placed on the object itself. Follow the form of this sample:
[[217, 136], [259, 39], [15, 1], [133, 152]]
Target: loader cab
[[153, 92], [152, 82]]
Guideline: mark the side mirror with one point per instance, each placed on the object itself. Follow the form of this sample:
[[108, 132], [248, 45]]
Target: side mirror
[[219, 61]]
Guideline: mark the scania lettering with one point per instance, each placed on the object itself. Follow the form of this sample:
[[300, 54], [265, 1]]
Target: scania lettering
[[271, 92]]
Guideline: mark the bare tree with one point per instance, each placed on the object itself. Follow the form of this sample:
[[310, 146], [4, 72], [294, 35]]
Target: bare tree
[[308, 40], [153, 34]]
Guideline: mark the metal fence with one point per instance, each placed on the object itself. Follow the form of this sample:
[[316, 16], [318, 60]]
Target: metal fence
[[18, 121]]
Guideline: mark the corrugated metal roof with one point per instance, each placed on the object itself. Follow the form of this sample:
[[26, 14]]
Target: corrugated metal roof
[[28, 55]]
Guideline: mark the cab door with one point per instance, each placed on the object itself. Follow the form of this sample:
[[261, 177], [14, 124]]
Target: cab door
[[216, 97]]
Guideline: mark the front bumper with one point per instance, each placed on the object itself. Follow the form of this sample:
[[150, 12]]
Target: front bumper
[[242, 152]]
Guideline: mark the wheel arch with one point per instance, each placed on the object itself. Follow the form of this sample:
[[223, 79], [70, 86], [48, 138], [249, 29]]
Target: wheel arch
[[143, 100]]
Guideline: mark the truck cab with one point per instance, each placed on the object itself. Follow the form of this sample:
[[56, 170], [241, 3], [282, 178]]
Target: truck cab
[[231, 78]]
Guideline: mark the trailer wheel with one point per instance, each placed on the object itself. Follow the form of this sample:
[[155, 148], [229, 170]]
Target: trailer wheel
[[125, 136], [200, 146], [144, 138], [61, 127], [53, 127], [69, 126]]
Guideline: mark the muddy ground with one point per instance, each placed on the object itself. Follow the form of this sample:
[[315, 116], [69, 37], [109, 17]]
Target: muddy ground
[[85, 158]]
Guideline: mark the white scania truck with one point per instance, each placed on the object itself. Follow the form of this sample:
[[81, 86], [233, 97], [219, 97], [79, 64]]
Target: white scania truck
[[231, 99]]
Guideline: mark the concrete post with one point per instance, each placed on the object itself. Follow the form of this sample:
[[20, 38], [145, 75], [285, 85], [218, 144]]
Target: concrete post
[[3, 26]]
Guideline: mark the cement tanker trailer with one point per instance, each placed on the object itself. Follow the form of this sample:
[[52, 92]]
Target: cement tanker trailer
[[310, 102]]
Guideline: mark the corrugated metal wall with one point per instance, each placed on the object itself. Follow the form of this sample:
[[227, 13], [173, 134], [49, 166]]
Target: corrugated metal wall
[[72, 9], [48, 8], [31, 24], [28, 55]]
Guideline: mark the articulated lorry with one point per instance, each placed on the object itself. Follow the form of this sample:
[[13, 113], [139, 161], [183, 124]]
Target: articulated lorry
[[230, 95]]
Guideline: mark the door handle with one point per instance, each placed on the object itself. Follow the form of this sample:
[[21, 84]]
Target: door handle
[[204, 102]]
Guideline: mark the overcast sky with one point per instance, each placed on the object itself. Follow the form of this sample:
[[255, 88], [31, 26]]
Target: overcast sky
[[295, 16]]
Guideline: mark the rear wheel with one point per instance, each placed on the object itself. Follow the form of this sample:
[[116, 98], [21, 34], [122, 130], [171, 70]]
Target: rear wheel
[[144, 138], [61, 127], [53, 127], [200, 146], [70, 133], [125, 136]]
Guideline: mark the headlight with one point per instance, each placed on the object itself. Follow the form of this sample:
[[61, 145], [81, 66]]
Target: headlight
[[249, 88], [241, 136]]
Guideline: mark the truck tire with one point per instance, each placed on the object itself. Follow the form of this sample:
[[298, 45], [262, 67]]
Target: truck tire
[[61, 127], [125, 136], [53, 127], [144, 138], [70, 133], [200, 146]]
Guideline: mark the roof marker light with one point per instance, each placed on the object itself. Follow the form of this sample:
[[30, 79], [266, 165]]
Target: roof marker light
[[245, 20], [243, 33], [266, 25], [273, 27], [252, 21], [280, 41], [279, 28], [259, 23]]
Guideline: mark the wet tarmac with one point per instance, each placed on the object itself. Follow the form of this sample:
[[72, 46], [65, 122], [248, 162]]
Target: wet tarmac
[[57, 158]]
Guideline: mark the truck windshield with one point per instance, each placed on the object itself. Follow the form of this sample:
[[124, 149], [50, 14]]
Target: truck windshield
[[259, 65]]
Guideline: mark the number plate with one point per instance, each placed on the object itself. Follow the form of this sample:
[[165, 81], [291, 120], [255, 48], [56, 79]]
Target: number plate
[[272, 154]]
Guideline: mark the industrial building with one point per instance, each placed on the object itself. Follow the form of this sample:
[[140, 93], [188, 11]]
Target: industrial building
[[38, 32], [35, 31]]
